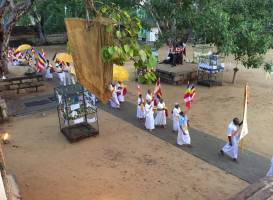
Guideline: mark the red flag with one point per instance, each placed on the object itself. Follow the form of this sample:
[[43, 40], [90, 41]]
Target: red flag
[[40, 66], [157, 91]]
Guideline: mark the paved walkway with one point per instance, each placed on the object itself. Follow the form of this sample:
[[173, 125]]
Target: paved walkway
[[250, 166]]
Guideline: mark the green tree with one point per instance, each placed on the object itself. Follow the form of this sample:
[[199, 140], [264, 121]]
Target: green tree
[[238, 27]]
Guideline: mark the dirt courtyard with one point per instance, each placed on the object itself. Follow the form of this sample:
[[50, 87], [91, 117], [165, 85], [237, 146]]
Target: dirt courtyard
[[124, 163]]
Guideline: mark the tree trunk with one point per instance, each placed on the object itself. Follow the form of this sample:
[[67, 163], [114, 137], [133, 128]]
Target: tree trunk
[[42, 39], [235, 70], [3, 60]]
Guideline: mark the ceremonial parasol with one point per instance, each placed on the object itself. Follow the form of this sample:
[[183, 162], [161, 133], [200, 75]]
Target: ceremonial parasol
[[23, 47], [120, 73], [65, 57]]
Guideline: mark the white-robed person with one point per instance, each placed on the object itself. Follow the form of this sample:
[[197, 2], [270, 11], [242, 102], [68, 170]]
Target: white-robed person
[[270, 171], [175, 115], [60, 73], [183, 136], [232, 146], [114, 102], [160, 119], [121, 91], [48, 73], [140, 107], [149, 116]]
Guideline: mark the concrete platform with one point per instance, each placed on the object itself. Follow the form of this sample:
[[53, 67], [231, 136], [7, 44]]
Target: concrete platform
[[179, 74]]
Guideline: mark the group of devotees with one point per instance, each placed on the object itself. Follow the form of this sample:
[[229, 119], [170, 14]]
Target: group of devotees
[[153, 111]]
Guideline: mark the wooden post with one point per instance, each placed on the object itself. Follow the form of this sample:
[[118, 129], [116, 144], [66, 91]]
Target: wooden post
[[3, 172]]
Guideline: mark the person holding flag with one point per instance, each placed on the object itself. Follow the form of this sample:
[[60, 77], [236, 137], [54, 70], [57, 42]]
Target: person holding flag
[[140, 107], [183, 136], [175, 115], [231, 148]]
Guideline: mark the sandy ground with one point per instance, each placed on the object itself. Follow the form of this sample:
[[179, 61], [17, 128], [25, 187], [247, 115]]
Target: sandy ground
[[128, 163], [123, 163]]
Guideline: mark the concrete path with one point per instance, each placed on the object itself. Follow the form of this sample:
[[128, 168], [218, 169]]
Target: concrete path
[[250, 166]]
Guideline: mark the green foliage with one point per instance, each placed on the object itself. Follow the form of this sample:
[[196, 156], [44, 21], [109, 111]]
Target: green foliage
[[148, 78], [238, 27], [125, 31]]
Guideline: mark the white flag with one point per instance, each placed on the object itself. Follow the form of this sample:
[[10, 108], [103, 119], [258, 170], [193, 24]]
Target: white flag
[[244, 130]]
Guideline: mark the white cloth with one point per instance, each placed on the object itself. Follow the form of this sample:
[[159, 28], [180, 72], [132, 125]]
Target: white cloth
[[270, 171], [114, 100], [140, 112], [121, 96], [183, 136], [149, 117], [149, 97], [160, 118], [232, 151], [48, 74], [175, 113], [61, 76]]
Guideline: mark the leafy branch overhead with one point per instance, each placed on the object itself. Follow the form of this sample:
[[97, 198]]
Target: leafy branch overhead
[[125, 31]]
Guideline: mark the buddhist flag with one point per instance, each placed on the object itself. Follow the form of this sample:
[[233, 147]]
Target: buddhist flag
[[157, 91], [43, 53], [40, 62], [244, 130], [189, 95]]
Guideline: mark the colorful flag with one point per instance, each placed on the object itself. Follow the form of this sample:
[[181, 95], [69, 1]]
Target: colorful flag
[[157, 91], [40, 62], [189, 95]]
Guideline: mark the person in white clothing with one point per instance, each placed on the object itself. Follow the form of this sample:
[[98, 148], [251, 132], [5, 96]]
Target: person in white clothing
[[140, 107], [175, 115], [149, 117], [160, 119], [48, 74], [232, 147], [183, 136], [121, 90], [61, 74], [114, 102], [270, 171]]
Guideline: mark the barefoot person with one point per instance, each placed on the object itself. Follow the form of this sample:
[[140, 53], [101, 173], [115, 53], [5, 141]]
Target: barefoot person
[[231, 148], [270, 171], [175, 115], [160, 119], [149, 116], [140, 107], [183, 136]]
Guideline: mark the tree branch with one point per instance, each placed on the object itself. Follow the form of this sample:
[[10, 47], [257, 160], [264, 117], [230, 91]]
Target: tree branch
[[3, 6], [16, 12]]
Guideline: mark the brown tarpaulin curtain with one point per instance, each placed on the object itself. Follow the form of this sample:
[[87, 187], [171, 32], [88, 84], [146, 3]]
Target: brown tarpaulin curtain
[[87, 38]]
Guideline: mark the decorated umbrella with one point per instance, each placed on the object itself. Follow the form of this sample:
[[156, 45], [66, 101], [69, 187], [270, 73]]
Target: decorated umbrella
[[23, 47], [65, 57], [120, 73]]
